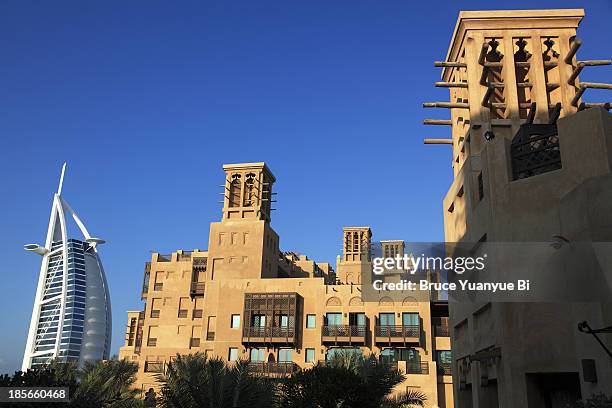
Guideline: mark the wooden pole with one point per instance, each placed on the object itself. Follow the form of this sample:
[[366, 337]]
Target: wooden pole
[[450, 64], [573, 49], [451, 84], [447, 122], [438, 141], [446, 105]]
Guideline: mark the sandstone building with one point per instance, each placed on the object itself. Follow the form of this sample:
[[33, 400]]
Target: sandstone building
[[532, 162], [245, 299]]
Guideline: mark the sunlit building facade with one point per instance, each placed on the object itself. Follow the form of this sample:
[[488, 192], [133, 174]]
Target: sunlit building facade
[[244, 298]]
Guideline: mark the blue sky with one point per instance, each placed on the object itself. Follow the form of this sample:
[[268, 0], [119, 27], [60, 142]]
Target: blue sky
[[146, 100]]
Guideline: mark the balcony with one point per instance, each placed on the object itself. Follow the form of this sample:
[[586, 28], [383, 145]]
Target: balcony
[[444, 368], [352, 334], [417, 368], [275, 370], [197, 289], [145, 281], [441, 330], [270, 335], [405, 334], [138, 340], [154, 367]]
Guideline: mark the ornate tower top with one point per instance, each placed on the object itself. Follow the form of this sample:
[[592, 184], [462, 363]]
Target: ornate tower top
[[357, 243], [510, 67], [248, 191]]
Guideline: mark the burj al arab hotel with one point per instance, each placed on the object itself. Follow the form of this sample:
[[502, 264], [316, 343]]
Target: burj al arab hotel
[[71, 318]]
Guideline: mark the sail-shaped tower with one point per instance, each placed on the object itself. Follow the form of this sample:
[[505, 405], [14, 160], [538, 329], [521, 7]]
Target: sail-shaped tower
[[71, 317]]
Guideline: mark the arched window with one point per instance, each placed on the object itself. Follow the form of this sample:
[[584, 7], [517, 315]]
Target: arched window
[[235, 187], [249, 190]]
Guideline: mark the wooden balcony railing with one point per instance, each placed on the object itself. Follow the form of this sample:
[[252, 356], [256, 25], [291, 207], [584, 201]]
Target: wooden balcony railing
[[197, 289], [441, 330], [258, 334], [444, 368], [411, 330], [277, 369], [402, 334], [154, 367], [145, 281], [417, 368], [343, 333]]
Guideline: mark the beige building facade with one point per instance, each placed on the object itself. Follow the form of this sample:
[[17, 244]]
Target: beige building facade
[[532, 161], [245, 299]]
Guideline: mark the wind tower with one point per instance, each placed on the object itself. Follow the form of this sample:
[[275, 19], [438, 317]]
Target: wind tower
[[71, 317], [243, 244], [526, 149]]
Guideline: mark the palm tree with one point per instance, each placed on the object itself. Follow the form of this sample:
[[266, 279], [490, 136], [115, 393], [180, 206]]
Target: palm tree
[[348, 380], [105, 384], [194, 380]]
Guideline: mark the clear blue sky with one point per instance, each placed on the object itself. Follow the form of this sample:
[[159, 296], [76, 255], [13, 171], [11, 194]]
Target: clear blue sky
[[146, 101]]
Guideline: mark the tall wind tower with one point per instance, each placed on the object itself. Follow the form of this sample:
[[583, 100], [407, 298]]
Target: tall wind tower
[[71, 318]]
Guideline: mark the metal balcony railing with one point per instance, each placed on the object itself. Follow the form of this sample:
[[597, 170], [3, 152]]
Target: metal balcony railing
[[403, 331], [277, 369]]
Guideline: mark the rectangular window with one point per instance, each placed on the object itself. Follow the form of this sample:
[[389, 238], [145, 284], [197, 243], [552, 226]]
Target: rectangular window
[[259, 320], [257, 354], [410, 319], [310, 355], [284, 356], [387, 319], [357, 319], [232, 354], [284, 320], [311, 321], [333, 319], [183, 306], [155, 305], [480, 187], [235, 323]]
